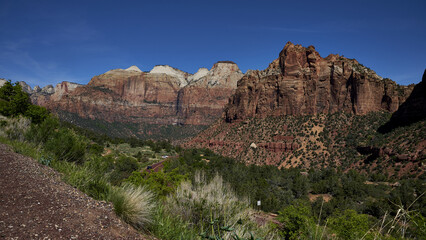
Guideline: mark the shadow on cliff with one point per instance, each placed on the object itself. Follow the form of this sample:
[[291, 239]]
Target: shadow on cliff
[[411, 111]]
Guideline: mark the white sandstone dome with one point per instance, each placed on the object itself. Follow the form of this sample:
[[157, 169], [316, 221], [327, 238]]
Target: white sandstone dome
[[165, 69], [133, 68]]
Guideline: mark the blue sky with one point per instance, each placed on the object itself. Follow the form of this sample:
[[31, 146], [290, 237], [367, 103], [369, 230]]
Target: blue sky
[[46, 42]]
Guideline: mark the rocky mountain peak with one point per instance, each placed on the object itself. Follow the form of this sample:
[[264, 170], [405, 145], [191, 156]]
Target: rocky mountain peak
[[174, 72], [199, 74], [64, 88], [2, 81], [133, 68], [25, 87], [37, 89], [49, 89], [223, 74]]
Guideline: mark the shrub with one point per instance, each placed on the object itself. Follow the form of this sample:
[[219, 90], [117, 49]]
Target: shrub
[[98, 188], [297, 221], [202, 202], [169, 227], [161, 183], [123, 168], [350, 224], [37, 114], [40, 133], [15, 128], [134, 204], [66, 145]]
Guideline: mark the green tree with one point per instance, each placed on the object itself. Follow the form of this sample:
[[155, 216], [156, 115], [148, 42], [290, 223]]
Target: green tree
[[297, 221], [13, 101], [350, 224], [36, 113]]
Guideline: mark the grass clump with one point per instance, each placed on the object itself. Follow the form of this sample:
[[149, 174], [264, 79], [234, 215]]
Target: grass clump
[[134, 204], [14, 128], [209, 206], [170, 227]]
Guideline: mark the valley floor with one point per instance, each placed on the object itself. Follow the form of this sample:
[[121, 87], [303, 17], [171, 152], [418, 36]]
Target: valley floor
[[36, 204]]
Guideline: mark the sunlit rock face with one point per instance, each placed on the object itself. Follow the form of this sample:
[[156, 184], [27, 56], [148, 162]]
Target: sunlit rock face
[[301, 82], [165, 95]]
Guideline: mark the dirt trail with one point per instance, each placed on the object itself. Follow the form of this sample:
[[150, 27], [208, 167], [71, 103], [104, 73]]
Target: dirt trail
[[36, 204]]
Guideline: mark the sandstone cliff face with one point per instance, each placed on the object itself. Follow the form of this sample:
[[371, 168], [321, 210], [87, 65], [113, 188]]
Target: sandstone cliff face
[[202, 101], [301, 82], [164, 96]]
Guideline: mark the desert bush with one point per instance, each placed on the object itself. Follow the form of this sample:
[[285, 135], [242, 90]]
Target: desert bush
[[297, 221], [75, 175], [134, 204], [37, 114], [350, 225], [161, 183], [40, 133], [200, 202], [169, 227], [98, 188], [122, 169], [25, 148], [65, 145]]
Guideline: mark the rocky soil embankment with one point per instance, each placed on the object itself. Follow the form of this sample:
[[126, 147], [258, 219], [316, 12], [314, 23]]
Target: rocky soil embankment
[[36, 204]]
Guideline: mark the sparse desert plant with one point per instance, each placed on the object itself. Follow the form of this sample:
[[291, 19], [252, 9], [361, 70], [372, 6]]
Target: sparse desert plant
[[406, 222], [134, 204]]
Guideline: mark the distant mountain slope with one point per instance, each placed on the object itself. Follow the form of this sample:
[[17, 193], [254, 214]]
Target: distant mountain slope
[[144, 102]]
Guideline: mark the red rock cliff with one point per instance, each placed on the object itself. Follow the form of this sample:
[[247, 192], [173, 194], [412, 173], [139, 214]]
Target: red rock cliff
[[301, 82], [164, 96]]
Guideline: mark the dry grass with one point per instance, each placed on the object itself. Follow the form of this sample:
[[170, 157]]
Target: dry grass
[[203, 201], [15, 128], [134, 204]]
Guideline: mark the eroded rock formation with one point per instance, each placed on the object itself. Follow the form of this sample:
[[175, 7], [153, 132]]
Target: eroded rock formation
[[165, 95], [301, 82]]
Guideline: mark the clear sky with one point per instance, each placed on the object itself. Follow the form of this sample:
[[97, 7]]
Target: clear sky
[[46, 42]]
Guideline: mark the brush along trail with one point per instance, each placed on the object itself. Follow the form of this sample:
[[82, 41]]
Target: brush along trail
[[36, 204]]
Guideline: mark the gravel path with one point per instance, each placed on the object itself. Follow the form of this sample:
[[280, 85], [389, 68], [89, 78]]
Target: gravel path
[[36, 204]]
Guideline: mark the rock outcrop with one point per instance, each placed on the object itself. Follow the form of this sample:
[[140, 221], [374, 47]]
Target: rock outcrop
[[301, 82], [202, 101], [412, 110], [2, 81]]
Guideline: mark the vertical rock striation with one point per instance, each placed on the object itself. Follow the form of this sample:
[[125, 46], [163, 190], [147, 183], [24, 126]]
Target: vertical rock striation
[[163, 96], [301, 82]]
